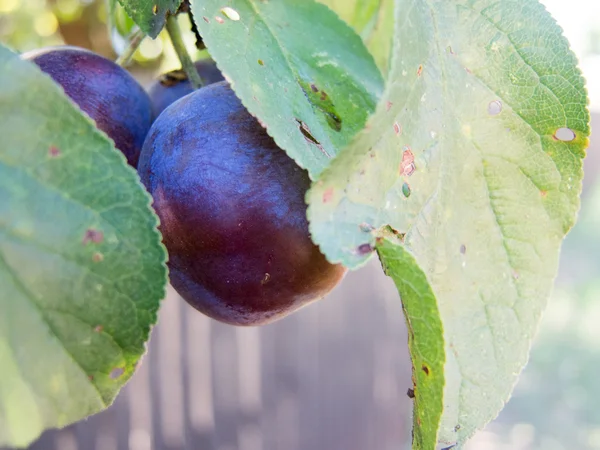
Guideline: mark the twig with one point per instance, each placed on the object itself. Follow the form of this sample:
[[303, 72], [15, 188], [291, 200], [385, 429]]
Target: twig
[[184, 57]]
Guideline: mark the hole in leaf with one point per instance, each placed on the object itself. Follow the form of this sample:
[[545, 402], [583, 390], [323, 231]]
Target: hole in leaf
[[495, 108], [565, 135], [365, 249], [366, 227], [116, 372]]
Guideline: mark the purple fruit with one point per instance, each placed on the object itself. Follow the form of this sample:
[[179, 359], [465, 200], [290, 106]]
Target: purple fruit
[[232, 210], [171, 86], [102, 89]]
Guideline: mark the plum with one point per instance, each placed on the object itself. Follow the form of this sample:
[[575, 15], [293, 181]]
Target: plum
[[105, 91], [173, 85], [232, 212]]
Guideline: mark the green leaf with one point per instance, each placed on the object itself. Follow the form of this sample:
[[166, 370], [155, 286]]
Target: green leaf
[[475, 154], [373, 20], [150, 15], [425, 339], [81, 264], [298, 68]]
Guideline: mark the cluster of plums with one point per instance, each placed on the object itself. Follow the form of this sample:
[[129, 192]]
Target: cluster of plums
[[230, 202]]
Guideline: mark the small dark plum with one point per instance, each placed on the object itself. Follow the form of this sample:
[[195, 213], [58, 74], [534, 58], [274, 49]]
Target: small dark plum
[[102, 89], [171, 86], [232, 211]]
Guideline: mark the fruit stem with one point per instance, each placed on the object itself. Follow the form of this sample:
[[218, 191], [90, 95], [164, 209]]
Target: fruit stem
[[184, 57], [135, 39]]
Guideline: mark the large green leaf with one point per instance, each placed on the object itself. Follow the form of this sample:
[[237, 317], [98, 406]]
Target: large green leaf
[[373, 20], [81, 265], [150, 15], [475, 154], [425, 339], [298, 68]]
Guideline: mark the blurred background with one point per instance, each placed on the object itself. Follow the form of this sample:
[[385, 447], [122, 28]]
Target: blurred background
[[333, 376]]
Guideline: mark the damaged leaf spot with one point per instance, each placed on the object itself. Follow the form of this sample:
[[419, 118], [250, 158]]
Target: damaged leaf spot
[[328, 195], [407, 166], [321, 102], [230, 13], [425, 369], [93, 236], [309, 137]]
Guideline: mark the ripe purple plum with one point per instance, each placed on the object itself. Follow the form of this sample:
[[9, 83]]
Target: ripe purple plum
[[171, 86], [232, 211], [106, 92]]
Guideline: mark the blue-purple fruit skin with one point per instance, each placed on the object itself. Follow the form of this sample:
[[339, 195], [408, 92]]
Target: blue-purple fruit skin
[[232, 212], [173, 85], [102, 89]]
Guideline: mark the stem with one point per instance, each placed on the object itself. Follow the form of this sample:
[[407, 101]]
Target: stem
[[135, 39], [184, 57]]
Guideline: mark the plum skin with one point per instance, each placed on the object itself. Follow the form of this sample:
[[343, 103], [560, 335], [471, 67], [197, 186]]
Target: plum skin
[[173, 85], [106, 92], [232, 212]]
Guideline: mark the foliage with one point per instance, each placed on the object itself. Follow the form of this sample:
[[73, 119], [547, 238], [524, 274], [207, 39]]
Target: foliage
[[460, 168]]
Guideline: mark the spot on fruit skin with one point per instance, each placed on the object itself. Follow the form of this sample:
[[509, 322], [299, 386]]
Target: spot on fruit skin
[[328, 195]]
